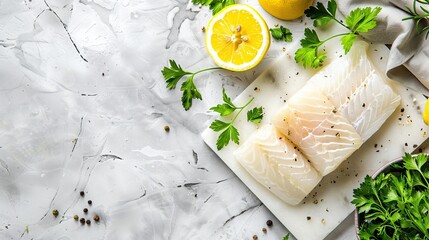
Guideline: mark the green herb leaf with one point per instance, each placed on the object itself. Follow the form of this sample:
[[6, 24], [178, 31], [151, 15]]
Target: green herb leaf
[[308, 54], [362, 19], [214, 5], [414, 163], [173, 74], [227, 99], [223, 109], [347, 41], [255, 115], [218, 125], [395, 204], [286, 237], [320, 14], [281, 33], [419, 14], [230, 133], [309, 57], [311, 40], [227, 108], [190, 92]]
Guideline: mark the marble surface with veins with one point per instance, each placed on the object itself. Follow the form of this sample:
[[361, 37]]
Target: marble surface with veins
[[83, 108], [84, 105]]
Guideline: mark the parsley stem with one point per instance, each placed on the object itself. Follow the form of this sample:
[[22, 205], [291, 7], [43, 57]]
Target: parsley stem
[[341, 23], [204, 70], [241, 109], [426, 181], [329, 38]]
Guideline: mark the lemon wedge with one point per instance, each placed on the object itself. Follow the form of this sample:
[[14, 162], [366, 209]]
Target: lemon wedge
[[237, 38], [286, 9]]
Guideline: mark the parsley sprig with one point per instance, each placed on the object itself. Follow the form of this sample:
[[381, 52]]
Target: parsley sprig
[[360, 20], [281, 33], [214, 5], [421, 23], [229, 132], [174, 73], [395, 205]]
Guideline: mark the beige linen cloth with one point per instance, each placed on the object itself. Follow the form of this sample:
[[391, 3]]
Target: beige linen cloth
[[408, 48]]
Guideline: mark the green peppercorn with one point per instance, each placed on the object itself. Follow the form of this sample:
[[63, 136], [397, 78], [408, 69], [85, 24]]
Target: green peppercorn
[[55, 212], [82, 220], [76, 217], [96, 218], [167, 128], [255, 237]]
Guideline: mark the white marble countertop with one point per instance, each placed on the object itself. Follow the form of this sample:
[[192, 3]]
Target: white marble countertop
[[83, 108]]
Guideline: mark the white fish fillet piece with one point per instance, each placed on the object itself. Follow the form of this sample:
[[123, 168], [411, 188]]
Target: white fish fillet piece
[[310, 120], [358, 91], [276, 163]]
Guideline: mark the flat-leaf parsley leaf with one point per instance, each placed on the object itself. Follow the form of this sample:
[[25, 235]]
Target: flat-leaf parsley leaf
[[395, 204], [229, 132], [360, 20], [255, 115], [174, 73], [281, 33], [214, 5]]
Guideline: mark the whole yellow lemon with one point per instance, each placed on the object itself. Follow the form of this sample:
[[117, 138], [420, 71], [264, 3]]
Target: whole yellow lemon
[[426, 113], [286, 9]]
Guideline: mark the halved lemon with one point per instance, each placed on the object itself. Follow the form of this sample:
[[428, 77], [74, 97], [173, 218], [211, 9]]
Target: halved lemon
[[237, 38]]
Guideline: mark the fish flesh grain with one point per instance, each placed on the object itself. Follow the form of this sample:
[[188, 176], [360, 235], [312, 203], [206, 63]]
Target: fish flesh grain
[[277, 164], [320, 126], [311, 122], [358, 91], [337, 110]]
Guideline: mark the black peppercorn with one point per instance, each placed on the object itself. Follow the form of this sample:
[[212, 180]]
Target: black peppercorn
[[82, 193], [88, 222], [96, 218], [82, 220], [76, 217], [89, 202], [55, 212], [85, 210], [269, 223]]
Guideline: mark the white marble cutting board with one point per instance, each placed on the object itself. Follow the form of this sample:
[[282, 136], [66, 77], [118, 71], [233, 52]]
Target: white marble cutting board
[[329, 203]]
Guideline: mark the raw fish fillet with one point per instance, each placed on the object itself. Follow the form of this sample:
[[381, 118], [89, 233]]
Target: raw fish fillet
[[310, 120], [277, 164], [358, 91], [337, 110]]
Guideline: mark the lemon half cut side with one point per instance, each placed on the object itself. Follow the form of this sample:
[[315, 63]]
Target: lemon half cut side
[[237, 38]]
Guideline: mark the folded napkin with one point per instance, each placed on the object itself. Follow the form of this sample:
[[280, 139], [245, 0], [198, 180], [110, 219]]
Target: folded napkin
[[407, 47]]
